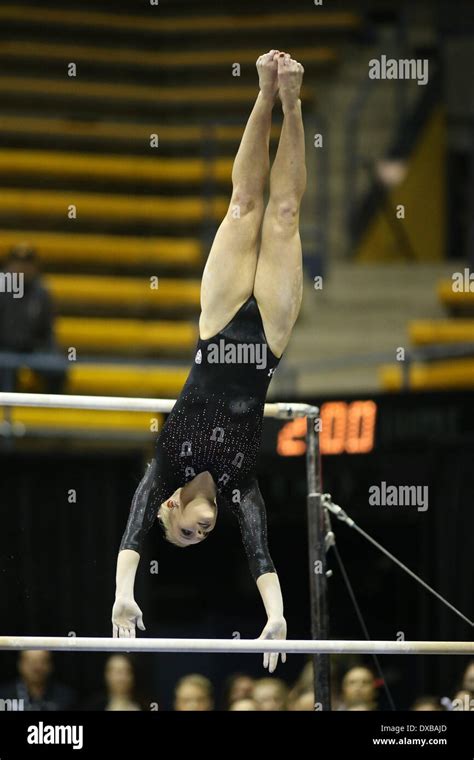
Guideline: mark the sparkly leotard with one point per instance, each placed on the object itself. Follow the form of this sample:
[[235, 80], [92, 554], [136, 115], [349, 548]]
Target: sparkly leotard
[[216, 425]]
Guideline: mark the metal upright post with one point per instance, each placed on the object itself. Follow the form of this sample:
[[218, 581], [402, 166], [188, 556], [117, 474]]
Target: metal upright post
[[317, 562]]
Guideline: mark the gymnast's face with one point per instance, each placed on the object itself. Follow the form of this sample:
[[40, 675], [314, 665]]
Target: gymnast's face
[[191, 521]]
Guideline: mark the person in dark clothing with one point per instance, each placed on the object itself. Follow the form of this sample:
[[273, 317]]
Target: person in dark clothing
[[251, 291], [35, 689], [27, 317]]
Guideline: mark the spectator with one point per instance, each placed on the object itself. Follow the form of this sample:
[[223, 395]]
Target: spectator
[[304, 683], [243, 705], [35, 686], [194, 692], [270, 694], [304, 702], [359, 689], [238, 686], [426, 703], [26, 318], [468, 677], [121, 691]]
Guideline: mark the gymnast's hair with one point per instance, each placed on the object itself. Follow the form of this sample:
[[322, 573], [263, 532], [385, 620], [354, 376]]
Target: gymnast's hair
[[164, 520]]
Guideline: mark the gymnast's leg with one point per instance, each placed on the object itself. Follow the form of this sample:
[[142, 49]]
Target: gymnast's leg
[[278, 280], [229, 273]]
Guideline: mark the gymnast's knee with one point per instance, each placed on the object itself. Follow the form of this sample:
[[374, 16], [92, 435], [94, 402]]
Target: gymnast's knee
[[245, 203]]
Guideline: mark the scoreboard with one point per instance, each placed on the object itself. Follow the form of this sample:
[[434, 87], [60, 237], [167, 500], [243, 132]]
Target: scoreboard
[[361, 425]]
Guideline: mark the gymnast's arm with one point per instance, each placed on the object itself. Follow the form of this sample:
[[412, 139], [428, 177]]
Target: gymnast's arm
[[251, 514], [145, 504]]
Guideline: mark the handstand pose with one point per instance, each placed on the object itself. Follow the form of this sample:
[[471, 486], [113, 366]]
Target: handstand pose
[[251, 293]]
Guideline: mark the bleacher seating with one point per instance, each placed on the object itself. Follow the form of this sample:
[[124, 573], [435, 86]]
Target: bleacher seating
[[83, 141], [456, 372], [456, 302]]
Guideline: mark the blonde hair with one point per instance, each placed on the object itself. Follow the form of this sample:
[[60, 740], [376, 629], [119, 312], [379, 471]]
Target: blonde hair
[[164, 517], [275, 682], [196, 679]]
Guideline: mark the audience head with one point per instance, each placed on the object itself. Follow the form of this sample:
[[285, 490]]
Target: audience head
[[359, 688], [270, 694], [238, 686], [304, 683], [304, 702], [119, 675], [468, 677], [22, 258], [35, 666], [194, 692]]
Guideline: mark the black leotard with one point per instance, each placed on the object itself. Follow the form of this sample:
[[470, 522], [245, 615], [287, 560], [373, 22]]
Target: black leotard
[[216, 425]]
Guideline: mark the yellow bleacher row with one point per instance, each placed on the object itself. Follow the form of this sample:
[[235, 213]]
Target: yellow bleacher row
[[150, 59], [116, 380], [40, 163], [86, 419], [128, 336], [110, 208], [125, 336], [107, 92], [109, 130], [455, 373], [437, 375], [89, 290], [427, 332], [316, 19], [452, 299], [114, 250]]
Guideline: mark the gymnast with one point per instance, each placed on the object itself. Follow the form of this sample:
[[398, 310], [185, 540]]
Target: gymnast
[[251, 293]]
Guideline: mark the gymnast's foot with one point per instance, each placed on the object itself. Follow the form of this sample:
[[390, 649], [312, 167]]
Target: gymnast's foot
[[290, 78], [267, 68]]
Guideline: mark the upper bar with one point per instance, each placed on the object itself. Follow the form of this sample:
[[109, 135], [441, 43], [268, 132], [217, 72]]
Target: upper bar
[[282, 410], [233, 646]]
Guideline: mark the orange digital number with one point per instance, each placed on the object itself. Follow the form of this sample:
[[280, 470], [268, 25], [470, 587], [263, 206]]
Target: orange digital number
[[360, 427], [345, 427], [333, 427], [291, 438]]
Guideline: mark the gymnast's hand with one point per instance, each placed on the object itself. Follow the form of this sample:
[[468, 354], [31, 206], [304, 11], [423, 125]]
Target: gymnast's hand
[[125, 615], [274, 629]]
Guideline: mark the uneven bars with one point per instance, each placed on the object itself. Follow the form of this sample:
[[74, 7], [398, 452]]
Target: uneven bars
[[282, 410], [233, 646], [317, 554]]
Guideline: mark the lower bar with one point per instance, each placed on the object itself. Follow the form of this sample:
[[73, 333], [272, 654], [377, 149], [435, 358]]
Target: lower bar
[[233, 646]]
